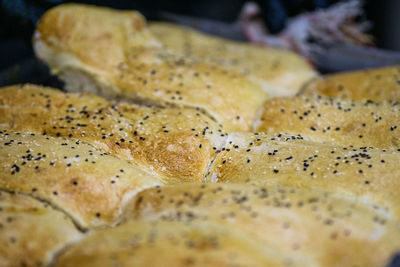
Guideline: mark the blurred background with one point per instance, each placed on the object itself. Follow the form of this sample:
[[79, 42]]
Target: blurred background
[[334, 35]]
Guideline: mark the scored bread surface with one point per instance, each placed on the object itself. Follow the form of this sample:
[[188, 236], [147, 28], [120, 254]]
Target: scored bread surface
[[282, 217], [177, 143], [368, 173], [126, 62], [373, 84], [31, 232], [89, 185], [158, 243], [333, 120], [279, 72], [164, 171]]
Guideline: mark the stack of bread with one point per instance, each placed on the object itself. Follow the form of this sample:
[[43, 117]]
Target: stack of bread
[[174, 148]]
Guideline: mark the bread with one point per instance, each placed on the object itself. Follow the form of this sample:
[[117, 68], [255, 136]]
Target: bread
[[178, 144], [163, 172], [333, 120], [31, 232], [365, 173], [171, 243], [279, 72], [305, 224], [375, 84], [71, 175], [112, 53]]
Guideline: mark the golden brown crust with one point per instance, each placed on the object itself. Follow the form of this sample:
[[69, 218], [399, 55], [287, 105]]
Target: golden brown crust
[[365, 173], [88, 36], [128, 63], [73, 176], [172, 243], [331, 228], [332, 120], [176, 143], [75, 162], [279, 72], [375, 84], [31, 232]]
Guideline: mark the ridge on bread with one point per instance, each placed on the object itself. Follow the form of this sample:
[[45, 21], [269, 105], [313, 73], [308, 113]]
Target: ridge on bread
[[280, 72], [143, 243], [263, 194], [315, 225], [71, 175], [367, 173], [333, 120], [175, 143], [31, 232], [380, 84], [165, 171], [112, 53]]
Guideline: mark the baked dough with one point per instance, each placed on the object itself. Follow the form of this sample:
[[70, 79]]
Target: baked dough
[[86, 181], [306, 224], [173, 244], [176, 143], [333, 120], [279, 72], [365, 173], [112, 53], [374, 84], [88, 185], [31, 232]]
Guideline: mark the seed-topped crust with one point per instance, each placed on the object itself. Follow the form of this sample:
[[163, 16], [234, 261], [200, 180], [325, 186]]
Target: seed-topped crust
[[112, 53], [308, 224], [176, 143], [279, 72], [143, 243], [333, 120], [31, 231], [368, 173], [375, 84], [72, 175], [165, 171]]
